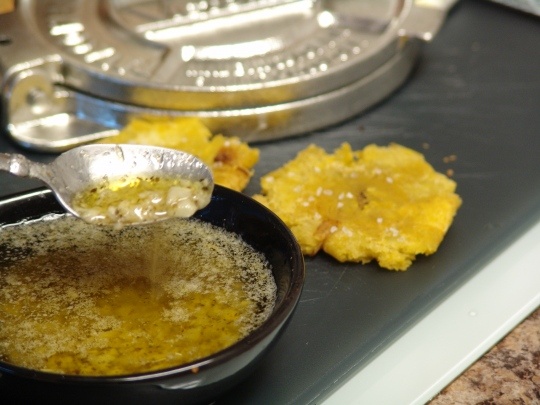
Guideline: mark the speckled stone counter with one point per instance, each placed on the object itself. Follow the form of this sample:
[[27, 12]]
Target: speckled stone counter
[[508, 374]]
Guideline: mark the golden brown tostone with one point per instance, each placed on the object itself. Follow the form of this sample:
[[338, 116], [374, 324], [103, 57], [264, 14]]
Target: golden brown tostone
[[230, 159], [380, 203]]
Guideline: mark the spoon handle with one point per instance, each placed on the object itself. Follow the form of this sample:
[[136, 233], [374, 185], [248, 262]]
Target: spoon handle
[[18, 165]]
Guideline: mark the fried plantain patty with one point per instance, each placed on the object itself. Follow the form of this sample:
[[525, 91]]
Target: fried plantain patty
[[380, 203], [230, 159]]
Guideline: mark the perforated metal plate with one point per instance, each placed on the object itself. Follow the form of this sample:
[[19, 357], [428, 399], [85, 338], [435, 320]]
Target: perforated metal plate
[[74, 71]]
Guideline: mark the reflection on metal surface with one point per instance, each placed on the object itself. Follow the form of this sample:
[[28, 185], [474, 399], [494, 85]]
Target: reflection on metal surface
[[259, 69]]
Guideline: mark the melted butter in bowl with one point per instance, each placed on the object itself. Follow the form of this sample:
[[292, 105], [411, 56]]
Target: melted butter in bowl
[[82, 300], [147, 278]]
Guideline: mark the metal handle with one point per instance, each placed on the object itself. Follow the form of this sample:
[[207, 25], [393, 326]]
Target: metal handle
[[425, 18], [49, 116], [19, 165], [15, 164]]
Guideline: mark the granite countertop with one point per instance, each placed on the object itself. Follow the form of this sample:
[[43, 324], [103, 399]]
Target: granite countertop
[[508, 374]]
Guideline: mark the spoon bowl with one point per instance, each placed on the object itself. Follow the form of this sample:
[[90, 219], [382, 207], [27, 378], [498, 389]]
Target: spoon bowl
[[85, 166]]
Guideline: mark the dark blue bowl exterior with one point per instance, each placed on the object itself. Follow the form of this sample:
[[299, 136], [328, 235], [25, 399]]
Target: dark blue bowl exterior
[[197, 382]]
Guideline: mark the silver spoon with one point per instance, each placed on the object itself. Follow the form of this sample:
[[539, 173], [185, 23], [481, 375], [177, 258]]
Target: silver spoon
[[80, 168]]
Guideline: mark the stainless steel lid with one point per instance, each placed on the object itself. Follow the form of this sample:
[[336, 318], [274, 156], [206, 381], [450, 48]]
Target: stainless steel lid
[[74, 71]]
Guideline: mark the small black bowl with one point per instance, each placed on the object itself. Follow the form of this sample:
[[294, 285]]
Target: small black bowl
[[196, 382]]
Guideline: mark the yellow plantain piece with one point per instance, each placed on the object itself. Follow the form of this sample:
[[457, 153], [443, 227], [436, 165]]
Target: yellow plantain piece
[[231, 160], [380, 203]]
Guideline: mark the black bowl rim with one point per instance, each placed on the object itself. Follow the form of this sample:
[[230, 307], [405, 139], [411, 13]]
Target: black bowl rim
[[273, 324]]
